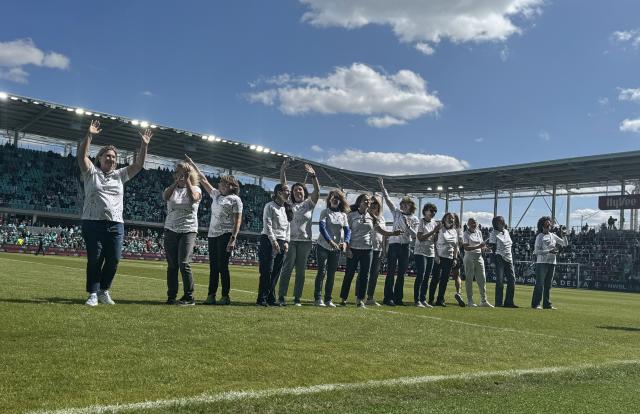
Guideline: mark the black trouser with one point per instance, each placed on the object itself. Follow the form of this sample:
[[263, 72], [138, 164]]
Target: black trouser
[[178, 248], [376, 259], [270, 266], [397, 258], [442, 276], [358, 257], [504, 271], [424, 265], [544, 279], [219, 264]]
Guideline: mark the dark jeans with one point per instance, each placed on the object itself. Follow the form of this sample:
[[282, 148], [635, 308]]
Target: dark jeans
[[327, 265], [359, 257], [441, 278], [504, 270], [104, 249], [219, 264], [376, 259], [178, 248], [542, 290], [424, 265], [397, 258], [270, 266]]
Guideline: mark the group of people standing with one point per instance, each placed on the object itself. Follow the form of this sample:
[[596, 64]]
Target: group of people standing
[[358, 231]]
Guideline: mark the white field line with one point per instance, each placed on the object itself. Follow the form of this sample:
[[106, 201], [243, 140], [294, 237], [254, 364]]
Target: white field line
[[323, 388], [476, 325]]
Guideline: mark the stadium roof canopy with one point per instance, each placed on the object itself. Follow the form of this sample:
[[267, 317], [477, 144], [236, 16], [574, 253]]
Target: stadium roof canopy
[[20, 115]]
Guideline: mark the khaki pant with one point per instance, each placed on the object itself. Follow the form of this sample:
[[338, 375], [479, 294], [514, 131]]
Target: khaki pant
[[474, 268]]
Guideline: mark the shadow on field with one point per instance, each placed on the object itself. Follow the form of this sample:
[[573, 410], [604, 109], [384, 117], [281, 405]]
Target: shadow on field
[[620, 328], [80, 301]]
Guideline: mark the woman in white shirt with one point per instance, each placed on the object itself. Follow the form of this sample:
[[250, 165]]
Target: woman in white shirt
[[274, 243], [446, 255], [224, 226], [501, 244], [335, 235], [302, 205], [180, 231], [546, 248], [474, 246], [376, 210], [424, 253], [398, 253], [102, 220]]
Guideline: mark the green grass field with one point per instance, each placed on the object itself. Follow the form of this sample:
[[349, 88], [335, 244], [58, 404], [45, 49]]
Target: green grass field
[[57, 355]]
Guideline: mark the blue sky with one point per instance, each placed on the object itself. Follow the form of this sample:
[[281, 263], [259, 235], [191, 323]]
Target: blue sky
[[447, 84]]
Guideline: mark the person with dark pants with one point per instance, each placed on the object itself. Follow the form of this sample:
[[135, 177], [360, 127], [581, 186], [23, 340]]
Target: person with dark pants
[[40, 246], [501, 244], [102, 220], [446, 254], [334, 237], [398, 254], [423, 254], [363, 227], [378, 241], [274, 243], [180, 231], [226, 218], [546, 248]]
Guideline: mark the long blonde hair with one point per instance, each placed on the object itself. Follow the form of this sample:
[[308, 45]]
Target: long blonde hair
[[186, 167]]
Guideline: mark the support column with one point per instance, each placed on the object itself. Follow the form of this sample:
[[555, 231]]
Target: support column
[[446, 202], [553, 204], [15, 138], [495, 203], [510, 208], [622, 191], [461, 208], [419, 207], [568, 222], [260, 181]]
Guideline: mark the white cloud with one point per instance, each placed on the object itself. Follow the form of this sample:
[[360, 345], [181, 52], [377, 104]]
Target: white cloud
[[479, 140], [591, 216], [147, 93], [394, 163], [316, 148], [630, 125], [425, 48], [482, 217], [603, 101], [504, 53], [17, 75], [426, 23], [629, 95], [624, 37], [388, 99], [22, 52], [544, 135]]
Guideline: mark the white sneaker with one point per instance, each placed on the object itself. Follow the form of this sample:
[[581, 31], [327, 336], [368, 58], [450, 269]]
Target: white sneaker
[[372, 302], [104, 297], [419, 305], [485, 304], [92, 301], [360, 304], [426, 305], [297, 304], [320, 303], [330, 304], [471, 304]]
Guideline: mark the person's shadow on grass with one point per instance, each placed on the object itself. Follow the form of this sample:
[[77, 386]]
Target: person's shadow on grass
[[620, 328]]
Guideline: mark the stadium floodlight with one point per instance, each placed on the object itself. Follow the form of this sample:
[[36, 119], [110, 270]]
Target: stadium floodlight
[[35, 102], [113, 118], [135, 122], [429, 189], [211, 138], [13, 98], [88, 113], [460, 187], [265, 150], [4, 96], [152, 126], [144, 124], [272, 152], [218, 139], [79, 111], [439, 188], [223, 140], [68, 109], [259, 148], [204, 137], [252, 147]]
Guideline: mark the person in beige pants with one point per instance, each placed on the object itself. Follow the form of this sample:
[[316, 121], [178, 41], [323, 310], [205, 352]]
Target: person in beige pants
[[473, 246]]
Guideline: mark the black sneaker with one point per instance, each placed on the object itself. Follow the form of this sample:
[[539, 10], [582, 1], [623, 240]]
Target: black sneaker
[[171, 301], [399, 303], [186, 301], [263, 303], [388, 302], [441, 304], [458, 298], [511, 305]]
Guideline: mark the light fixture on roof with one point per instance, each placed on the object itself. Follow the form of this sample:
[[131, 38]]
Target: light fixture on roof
[[68, 109], [439, 188], [88, 113], [285, 155], [35, 102], [429, 189], [252, 147], [152, 126], [4, 96], [204, 137], [272, 152], [460, 187], [13, 98], [223, 140], [259, 148], [450, 188], [113, 118], [144, 124], [265, 150], [218, 139], [211, 138], [135, 122], [236, 143]]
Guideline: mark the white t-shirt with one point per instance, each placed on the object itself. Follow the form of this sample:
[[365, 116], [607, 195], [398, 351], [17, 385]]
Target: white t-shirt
[[472, 239], [362, 229], [182, 213], [274, 222], [301, 223], [503, 243], [447, 242], [544, 243], [222, 210], [398, 224], [427, 247], [334, 222], [103, 194], [377, 237]]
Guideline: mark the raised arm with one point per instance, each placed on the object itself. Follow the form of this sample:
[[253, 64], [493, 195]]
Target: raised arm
[[283, 172], [385, 195], [316, 184], [138, 165], [82, 154], [193, 194], [203, 178]]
